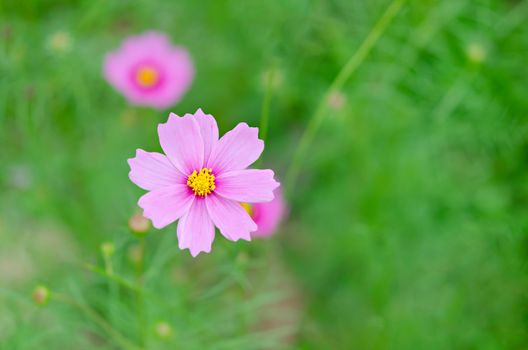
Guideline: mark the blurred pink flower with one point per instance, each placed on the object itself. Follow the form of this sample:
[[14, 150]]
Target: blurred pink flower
[[202, 180], [149, 71], [267, 216]]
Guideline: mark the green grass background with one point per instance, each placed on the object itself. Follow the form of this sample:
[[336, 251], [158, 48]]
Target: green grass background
[[407, 226]]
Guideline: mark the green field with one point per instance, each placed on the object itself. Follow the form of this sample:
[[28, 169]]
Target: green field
[[399, 131]]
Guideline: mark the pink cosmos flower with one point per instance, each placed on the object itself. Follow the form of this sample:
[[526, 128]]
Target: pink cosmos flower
[[149, 71], [267, 216], [202, 180]]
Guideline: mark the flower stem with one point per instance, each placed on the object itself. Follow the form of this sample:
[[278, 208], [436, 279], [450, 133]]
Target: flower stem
[[112, 288], [266, 103], [265, 108], [141, 295], [344, 74], [119, 339], [114, 277]]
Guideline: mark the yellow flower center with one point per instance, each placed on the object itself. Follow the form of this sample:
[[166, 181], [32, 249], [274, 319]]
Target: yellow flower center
[[202, 183], [247, 207], [147, 77]]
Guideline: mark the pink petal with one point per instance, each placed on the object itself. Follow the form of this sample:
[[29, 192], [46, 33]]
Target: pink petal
[[173, 63], [250, 185], [195, 229], [178, 73], [236, 150], [182, 142], [150, 42], [209, 131], [115, 71], [230, 218], [151, 170], [268, 216], [166, 205]]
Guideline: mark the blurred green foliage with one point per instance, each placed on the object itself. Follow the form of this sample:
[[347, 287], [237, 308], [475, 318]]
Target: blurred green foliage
[[408, 221]]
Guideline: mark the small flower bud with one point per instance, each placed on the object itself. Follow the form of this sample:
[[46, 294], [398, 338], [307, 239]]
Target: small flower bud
[[476, 53], [163, 330], [139, 224], [273, 78], [59, 43], [107, 249], [336, 100], [41, 295]]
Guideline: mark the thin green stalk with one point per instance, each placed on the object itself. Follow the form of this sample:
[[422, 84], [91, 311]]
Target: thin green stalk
[[119, 339], [141, 296], [109, 268], [112, 288], [265, 108], [266, 103], [114, 277], [348, 69]]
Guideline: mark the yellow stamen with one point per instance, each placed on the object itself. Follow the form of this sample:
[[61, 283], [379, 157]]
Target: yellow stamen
[[247, 207], [147, 77], [202, 183]]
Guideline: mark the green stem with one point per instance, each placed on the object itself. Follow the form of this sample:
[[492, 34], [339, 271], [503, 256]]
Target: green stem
[[141, 296], [90, 313], [348, 69], [265, 108], [114, 277], [112, 288], [266, 103], [109, 268]]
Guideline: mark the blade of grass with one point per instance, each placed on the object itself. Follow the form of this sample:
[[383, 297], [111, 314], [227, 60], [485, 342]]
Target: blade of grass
[[346, 72]]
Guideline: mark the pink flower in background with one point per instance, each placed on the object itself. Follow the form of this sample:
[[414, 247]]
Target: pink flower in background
[[202, 180], [149, 71], [267, 216]]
